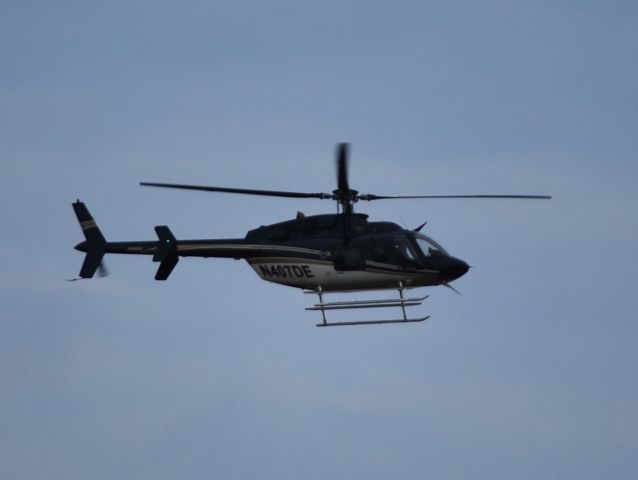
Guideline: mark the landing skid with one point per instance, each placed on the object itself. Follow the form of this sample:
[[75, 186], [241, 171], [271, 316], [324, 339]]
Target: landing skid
[[401, 302]]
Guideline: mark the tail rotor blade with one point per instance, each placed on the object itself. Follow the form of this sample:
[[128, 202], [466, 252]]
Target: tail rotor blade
[[102, 271]]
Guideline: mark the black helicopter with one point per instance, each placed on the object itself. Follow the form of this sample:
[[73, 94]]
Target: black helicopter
[[340, 252]]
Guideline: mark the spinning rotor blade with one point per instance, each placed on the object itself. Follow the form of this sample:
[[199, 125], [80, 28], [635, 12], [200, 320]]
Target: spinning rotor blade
[[342, 167], [343, 194], [102, 271], [245, 191], [370, 196]]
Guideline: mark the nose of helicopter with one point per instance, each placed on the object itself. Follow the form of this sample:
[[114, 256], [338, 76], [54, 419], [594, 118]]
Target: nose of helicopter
[[453, 268]]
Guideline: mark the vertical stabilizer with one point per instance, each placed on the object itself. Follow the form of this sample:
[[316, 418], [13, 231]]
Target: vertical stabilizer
[[95, 245]]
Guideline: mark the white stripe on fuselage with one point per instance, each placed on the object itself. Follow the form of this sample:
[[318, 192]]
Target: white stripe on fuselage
[[240, 247], [311, 274]]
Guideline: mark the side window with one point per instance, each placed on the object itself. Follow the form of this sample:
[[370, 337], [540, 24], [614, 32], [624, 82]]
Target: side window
[[401, 252]]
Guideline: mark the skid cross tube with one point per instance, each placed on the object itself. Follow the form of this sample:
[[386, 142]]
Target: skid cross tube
[[356, 304]]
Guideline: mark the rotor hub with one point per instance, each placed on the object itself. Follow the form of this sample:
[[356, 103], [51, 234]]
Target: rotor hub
[[347, 196]]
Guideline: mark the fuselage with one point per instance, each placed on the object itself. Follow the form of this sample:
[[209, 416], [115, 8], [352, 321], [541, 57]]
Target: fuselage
[[373, 255], [327, 252]]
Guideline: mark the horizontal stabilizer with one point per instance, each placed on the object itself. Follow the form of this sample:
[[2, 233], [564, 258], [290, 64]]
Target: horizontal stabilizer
[[166, 267], [166, 252]]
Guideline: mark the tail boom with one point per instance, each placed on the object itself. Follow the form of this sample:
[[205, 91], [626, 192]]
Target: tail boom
[[166, 250]]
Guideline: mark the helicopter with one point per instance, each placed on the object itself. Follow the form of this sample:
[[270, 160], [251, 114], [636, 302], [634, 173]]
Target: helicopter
[[327, 253]]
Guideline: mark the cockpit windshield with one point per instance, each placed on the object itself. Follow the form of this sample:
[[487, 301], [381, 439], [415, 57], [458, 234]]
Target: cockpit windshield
[[428, 246]]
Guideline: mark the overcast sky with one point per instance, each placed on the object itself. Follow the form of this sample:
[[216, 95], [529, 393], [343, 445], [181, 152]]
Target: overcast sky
[[530, 374]]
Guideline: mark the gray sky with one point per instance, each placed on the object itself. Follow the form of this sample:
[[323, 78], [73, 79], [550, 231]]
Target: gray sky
[[216, 374]]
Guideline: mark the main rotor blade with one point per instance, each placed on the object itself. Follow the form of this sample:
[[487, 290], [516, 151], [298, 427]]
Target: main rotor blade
[[342, 167], [370, 196], [245, 191]]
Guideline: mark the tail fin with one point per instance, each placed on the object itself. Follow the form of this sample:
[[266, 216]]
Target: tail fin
[[95, 244]]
